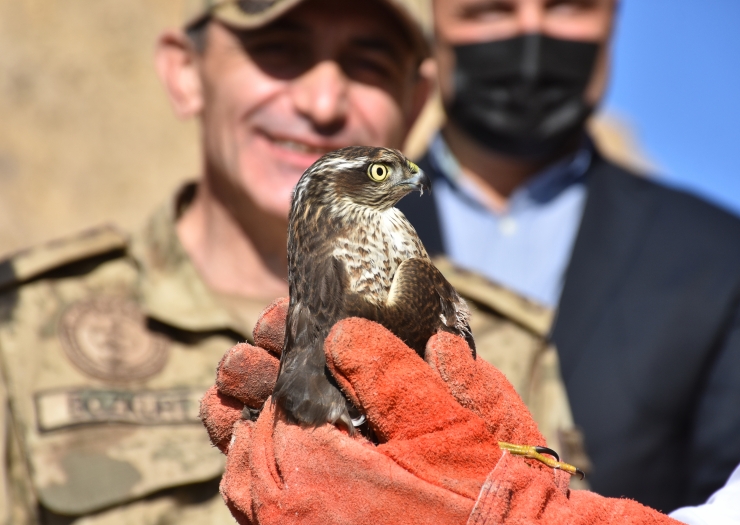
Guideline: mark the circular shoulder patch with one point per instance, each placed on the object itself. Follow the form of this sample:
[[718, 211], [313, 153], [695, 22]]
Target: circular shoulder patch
[[107, 338]]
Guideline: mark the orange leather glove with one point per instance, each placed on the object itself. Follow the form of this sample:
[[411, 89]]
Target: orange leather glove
[[438, 427], [245, 377]]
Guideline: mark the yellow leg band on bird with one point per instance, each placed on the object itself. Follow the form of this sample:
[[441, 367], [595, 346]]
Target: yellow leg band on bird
[[538, 453]]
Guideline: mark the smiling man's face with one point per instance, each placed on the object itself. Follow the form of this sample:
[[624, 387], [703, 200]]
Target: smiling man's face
[[326, 75]]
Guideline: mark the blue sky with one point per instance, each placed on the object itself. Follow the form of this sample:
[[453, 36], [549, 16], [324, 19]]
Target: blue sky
[[676, 80]]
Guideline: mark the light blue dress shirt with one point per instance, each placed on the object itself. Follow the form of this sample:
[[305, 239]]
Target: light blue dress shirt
[[527, 247]]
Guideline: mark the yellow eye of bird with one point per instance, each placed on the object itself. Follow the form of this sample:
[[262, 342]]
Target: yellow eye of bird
[[378, 172]]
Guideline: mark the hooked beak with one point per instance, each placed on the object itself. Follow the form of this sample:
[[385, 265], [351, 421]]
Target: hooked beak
[[420, 181]]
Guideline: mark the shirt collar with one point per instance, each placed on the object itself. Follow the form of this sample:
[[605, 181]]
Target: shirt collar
[[171, 289], [541, 188]]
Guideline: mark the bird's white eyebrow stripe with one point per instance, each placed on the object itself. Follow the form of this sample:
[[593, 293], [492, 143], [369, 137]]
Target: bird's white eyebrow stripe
[[343, 164]]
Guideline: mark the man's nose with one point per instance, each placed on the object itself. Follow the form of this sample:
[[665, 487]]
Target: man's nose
[[530, 17], [321, 95]]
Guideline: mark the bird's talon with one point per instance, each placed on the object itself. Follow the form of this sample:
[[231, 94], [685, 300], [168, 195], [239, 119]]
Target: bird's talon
[[545, 450], [536, 452]]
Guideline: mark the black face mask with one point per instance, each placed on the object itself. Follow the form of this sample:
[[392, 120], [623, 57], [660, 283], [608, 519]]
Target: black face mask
[[523, 96]]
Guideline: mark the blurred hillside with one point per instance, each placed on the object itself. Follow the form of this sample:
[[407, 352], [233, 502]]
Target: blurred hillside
[[87, 135]]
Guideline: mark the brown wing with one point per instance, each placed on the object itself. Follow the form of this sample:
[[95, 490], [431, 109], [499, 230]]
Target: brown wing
[[303, 390], [421, 302]]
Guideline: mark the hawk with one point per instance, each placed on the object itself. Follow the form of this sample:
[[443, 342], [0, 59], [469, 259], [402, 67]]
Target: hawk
[[351, 253]]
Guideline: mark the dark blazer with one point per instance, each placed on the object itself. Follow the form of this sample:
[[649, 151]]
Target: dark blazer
[[648, 332]]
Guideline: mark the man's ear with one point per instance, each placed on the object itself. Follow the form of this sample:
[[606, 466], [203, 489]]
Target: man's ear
[[176, 63]]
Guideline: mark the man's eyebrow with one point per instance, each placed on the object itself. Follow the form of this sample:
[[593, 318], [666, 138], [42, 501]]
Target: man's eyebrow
[[476, 7], [382, 45]]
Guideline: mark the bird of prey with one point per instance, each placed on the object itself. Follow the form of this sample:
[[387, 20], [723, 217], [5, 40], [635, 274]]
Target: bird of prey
[[351, 253]]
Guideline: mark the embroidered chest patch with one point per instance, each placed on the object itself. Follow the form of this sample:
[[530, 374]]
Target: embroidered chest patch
[[107, 338]]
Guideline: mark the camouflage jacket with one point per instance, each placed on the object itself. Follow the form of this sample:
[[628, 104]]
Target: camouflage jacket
[[106, 346]]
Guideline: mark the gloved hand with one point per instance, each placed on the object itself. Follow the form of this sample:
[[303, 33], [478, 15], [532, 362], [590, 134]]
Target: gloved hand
[[438, 428], [245, 377]]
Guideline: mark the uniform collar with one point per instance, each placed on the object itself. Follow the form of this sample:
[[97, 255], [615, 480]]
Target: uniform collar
[[172, 291], [533, 316]]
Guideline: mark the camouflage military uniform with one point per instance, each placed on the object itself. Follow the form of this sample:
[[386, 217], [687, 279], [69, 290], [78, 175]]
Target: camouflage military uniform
[[106, 345]]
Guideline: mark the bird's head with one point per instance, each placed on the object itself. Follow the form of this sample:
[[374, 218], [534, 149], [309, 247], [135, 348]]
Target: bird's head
[[361, 176]]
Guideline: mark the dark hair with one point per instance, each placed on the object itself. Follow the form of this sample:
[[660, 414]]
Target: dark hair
[[197, 34]]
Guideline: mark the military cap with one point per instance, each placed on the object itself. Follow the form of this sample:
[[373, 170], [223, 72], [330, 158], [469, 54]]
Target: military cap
[[416, 15]]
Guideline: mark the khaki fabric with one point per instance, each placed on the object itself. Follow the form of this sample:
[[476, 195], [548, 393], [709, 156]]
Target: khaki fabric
[[249, 14], [106, 346], [107, 343]]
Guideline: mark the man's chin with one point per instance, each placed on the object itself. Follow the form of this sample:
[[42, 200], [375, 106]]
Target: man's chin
[[274, 189]]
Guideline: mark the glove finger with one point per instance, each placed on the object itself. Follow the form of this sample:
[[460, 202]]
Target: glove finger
[[269, 332], [219, 413], [236, 483], [247, 373], [399, 393], [483, 389]]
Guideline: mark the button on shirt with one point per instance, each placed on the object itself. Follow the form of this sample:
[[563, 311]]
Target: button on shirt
[[526, 247]]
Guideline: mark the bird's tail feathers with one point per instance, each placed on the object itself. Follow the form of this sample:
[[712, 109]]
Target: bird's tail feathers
[[306, 395]]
